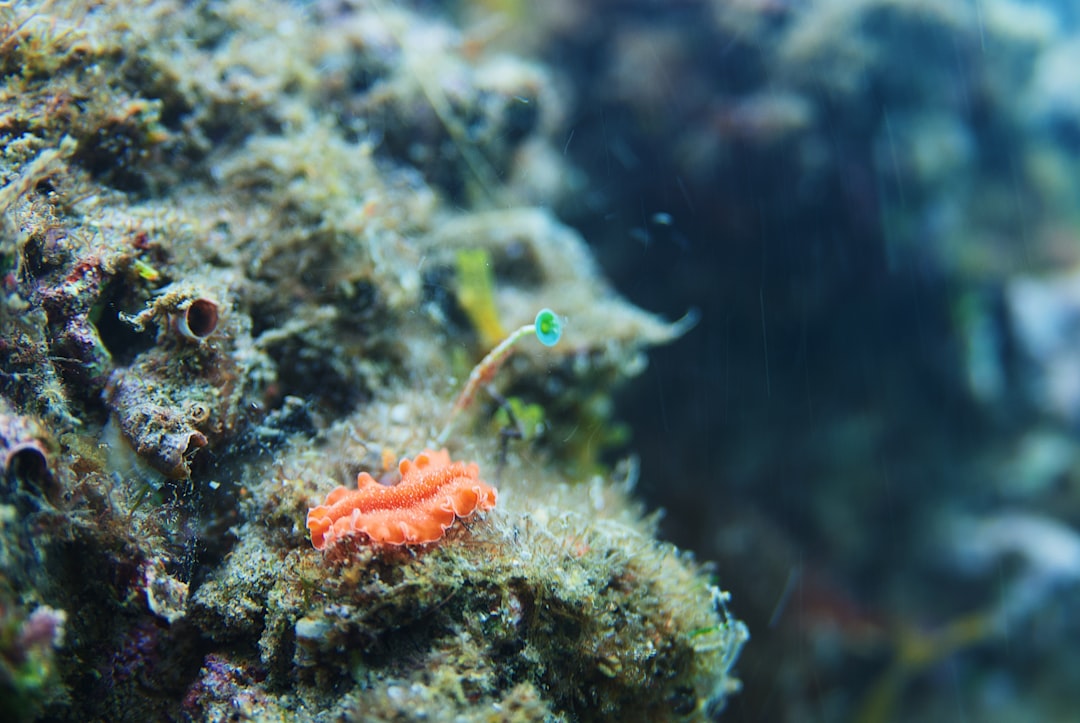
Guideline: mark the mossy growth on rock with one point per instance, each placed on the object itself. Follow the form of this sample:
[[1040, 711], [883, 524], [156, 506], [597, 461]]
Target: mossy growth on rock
[[594, 616]]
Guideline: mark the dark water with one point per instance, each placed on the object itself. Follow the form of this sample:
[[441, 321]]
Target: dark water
[[873, 428]]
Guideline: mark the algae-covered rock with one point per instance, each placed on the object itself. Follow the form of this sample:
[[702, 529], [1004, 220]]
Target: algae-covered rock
[[228, 242]]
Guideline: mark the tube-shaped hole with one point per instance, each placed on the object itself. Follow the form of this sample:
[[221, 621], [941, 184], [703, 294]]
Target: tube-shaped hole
[[27, 461], [198, 320]]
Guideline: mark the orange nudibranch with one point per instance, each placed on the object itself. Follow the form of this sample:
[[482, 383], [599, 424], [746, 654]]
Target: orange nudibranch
[[433, 492]]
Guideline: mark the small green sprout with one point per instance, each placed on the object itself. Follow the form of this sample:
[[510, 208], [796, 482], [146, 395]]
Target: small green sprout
[[525, 419], [548, 329], [145, 271]]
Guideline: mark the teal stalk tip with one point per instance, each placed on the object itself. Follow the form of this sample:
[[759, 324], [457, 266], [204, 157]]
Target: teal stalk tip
[[548, 327]]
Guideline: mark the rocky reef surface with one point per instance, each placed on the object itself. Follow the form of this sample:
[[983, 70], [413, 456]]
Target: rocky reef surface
[[234, 247]]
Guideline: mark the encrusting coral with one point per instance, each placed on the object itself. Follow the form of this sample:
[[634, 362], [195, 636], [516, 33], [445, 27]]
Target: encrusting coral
[[432, 493]]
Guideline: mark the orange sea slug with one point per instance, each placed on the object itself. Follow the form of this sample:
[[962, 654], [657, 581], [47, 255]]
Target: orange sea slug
[[432, 493]]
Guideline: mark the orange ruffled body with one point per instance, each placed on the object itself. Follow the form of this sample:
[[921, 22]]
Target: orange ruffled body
[[433, 492]]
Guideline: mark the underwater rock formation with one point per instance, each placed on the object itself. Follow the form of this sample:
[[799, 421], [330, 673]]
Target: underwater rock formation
[[228, 243]]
